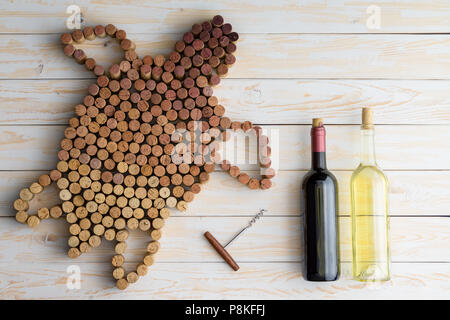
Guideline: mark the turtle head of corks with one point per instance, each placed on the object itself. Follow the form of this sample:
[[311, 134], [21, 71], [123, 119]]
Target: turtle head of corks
[[144, 140]]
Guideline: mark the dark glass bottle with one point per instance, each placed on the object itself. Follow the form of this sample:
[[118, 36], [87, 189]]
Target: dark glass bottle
[[321, 225]]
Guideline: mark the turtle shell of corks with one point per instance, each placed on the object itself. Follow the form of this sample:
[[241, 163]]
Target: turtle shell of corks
[[143, 141]]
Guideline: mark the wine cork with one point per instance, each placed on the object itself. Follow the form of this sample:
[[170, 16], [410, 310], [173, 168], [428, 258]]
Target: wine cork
[[110, 234], [71, 218], [95, 241], [234, 171], [196, 188], [73, 253], [367, 118], [117, 260], [99, 230], [317, 122], [269, 173], [36, 187], [132, 277], [84, 235], [55, 212], [227, 28], [66, 38], [84, 247], [164, 213], [43, 213], [142, 269], [110, 30], [188, 196], [120, 247], [118, 273], [122, 235], [21, 216], [122, 284], [99, 31], [148, 260], [44, 180], [157, 223], [88, 33], [21, 205], [144, 224], [69, 50], [33, 221], [73, 241], [254, 183], [266, 184], [79, 55], [133, 223], [182, 205], [114, 71], [78, 36], [243, 178], [156, 234]]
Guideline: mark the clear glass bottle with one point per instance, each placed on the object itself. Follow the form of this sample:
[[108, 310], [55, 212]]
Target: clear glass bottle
[[370, 219]]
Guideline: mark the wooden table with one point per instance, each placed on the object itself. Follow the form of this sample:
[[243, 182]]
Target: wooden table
[[295, 60]]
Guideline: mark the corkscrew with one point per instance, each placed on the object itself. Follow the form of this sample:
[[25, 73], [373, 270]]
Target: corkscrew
[[221, 249]]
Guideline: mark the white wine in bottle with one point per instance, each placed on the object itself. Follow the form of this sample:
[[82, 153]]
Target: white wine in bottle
[[370, 219]]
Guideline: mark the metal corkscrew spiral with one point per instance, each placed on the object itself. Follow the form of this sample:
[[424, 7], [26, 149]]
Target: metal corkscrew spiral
[[255, 218], [250, 224]]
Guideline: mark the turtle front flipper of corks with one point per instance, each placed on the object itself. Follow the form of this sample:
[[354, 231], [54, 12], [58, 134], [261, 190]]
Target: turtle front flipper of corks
[[144, 140]]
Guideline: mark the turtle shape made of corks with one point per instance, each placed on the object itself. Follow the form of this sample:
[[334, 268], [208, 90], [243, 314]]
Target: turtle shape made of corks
[[143, 141]]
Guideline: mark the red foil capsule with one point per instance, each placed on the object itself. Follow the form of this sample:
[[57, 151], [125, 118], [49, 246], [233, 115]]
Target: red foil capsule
[[318, 138]]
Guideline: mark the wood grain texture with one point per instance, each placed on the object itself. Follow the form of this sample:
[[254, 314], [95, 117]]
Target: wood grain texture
[[264, 101], [406, 198], [35, 147], [297, 59], [282, 55], [252, 16], [272, 239], [217, 281]]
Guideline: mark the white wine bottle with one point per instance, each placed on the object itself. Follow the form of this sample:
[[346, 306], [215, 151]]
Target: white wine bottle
[[370, 218]]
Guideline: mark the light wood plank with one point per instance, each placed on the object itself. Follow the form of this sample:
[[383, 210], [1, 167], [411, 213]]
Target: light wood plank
[[258, 56], [272, 239], [398, 147], [224, 196], [217, 281], [254, 16], [265, 101]]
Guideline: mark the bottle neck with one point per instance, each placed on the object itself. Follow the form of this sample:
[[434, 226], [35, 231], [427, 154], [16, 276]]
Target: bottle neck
[[368, 147], [318, 152], [318, 160]]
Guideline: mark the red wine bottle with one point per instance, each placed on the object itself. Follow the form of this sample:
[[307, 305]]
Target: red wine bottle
[[321, 226]]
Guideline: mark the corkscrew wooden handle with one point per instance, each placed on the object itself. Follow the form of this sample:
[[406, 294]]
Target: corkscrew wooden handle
[[222, 251]]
